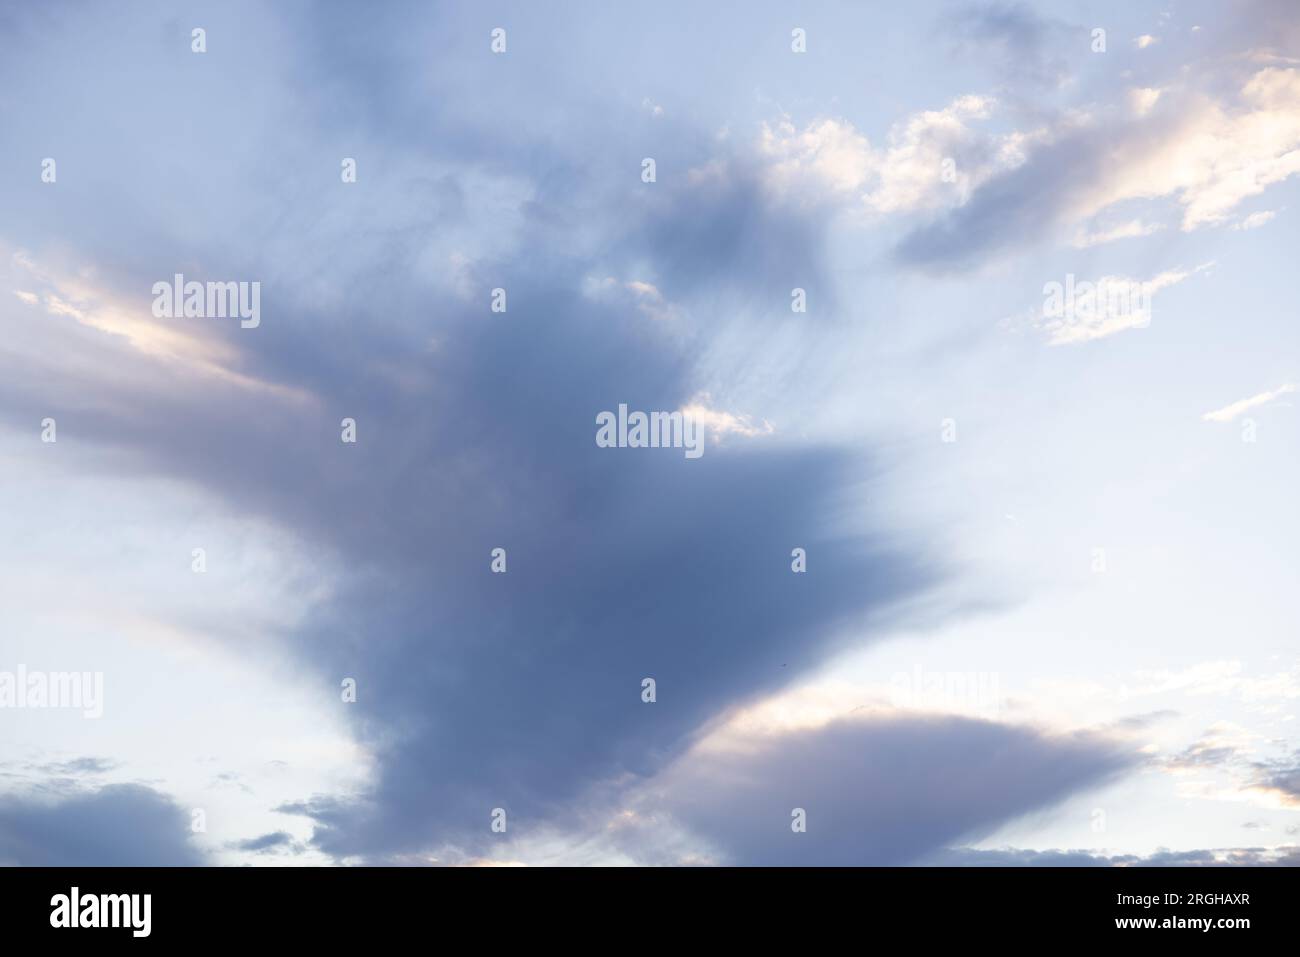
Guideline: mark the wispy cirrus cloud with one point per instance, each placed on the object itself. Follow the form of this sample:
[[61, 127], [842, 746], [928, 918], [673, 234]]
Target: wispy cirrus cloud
[[1233, 409], [1081, 310]]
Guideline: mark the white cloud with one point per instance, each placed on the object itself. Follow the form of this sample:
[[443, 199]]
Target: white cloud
[[645, 290], [1141, 100], [830, 158], [828, 153], [1234, 409], [1214, 153], [721, 422], [1110, 305], [1255, 220], [644, 296], [1129, 230], [1216, 156], [189, 347]]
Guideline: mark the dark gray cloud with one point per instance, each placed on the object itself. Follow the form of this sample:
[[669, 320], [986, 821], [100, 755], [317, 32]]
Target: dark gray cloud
[[881, 791], [121, 825], [722, 234], [277, 842], [518, 690], [1015, 208]]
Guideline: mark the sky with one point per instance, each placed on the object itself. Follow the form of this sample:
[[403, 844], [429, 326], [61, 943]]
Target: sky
[[983, 310]]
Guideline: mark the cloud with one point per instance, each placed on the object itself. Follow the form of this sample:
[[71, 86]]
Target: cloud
[[120, 825], [1279, 778], [932, 159], [1023, 46], [1132, 229], [1206, 152], [726, 229], [1221, 677], [1014, 206], [618, 569], [1217, 748], [1215, 154], [828, 153], [1083, 310], [274, 843], [1282, 856], [720, 423], [880, 790], [77, 766], [476, 430], [1255, 220], [1143, 99], [1117, 308], [126, 329], [1234, 409], [641, 295], [1236, 770]]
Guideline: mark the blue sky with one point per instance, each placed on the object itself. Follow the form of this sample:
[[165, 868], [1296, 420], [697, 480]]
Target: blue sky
[[1048, 613]]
